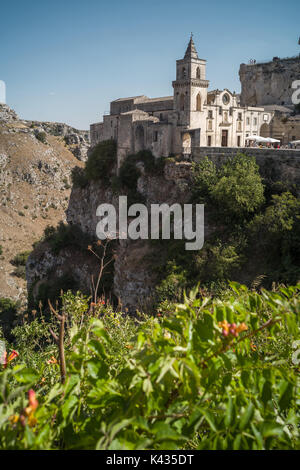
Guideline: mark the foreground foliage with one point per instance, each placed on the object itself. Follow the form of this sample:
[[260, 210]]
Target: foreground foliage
[[207, 374]]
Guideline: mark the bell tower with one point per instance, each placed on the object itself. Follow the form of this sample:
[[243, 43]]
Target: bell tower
[[190, 87]]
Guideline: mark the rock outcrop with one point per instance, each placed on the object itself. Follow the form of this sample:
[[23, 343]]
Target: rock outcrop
[[270, 82], [136, 261], [35, 183], [78, 142], [134, 276]]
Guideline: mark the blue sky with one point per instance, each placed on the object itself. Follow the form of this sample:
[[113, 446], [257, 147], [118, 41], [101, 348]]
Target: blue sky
[[66, 60]]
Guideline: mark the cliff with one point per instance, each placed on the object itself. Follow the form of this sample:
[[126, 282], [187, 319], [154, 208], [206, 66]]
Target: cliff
[[136, 266], [77, 141], [134, 275], [35, 187], [270, 82]]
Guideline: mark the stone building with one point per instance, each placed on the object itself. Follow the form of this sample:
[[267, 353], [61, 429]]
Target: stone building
[[192, 117]]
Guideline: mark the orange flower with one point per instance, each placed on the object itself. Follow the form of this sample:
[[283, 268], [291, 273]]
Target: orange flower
[[10, 358], [12, 355], [31, 420], [52, 360], [241, 327], [253, 346], [14, 419], [225, 327], [27, 415], [231, 328], [33, 403]]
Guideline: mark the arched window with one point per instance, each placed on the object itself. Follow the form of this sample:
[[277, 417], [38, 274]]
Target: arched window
[[181, 104], [198, 72], [198, 102]]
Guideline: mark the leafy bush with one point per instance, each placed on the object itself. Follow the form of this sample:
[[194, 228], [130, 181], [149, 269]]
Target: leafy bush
[[21, 258], [65, 235], [20, 271], [235, 190], [199, 376], [51, 290], [41, 136], [129, 173], [277, 231], [8, 313], [239, 189], [101, 161], [79, 177]]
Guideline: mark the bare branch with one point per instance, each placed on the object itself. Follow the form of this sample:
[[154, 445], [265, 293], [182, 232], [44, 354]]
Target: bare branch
[[55, 337]]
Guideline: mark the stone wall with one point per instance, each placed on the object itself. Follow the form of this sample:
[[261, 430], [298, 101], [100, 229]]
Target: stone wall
[[280, 165]]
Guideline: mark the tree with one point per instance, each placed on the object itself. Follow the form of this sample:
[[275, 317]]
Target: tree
[[239, 191]]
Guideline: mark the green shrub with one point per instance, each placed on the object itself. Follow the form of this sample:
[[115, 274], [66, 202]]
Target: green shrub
[[209, 374], [8, 314], [79, 177], [51, 290], [41, 136], [129, 174], [20, 271], [21, 258], [277, 233], [235, 190], [65, 235], [101, 161], [239, 189]]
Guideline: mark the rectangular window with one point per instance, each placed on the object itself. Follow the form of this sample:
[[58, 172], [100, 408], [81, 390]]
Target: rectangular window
[[248, 121], [155, 136], [210, 114], [255, 121], [240, 116], [239, 141], [209, 140], [220, 110]]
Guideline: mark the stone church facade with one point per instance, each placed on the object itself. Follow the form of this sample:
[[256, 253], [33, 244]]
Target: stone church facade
[[192, 117]]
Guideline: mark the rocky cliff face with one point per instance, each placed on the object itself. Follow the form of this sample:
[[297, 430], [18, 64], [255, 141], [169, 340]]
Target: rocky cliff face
[[34, 191], [77, 141], [270, 82], [134, 277]]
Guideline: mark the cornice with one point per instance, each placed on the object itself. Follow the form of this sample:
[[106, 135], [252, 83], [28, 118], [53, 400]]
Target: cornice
[[191, 82]]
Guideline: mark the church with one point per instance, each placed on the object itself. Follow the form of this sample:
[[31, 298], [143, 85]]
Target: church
[[173, 125]]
